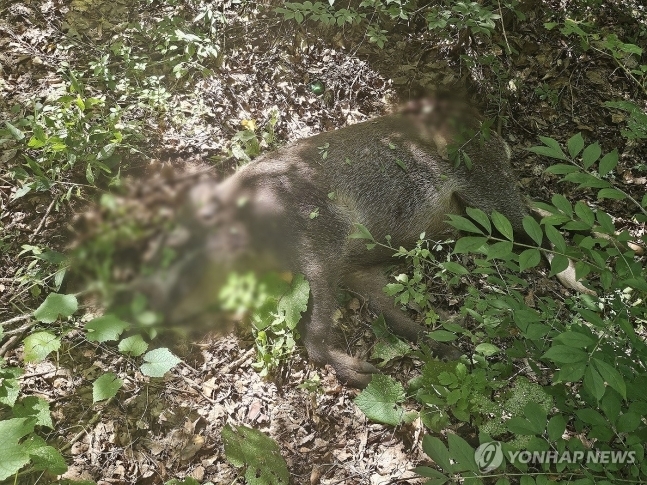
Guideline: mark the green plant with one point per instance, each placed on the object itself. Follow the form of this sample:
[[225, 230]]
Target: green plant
[[247, 144]]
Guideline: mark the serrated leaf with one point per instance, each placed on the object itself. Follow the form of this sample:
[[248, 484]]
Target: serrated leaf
[[258, 453], [575, 145], [34, 407], [608, 163], [107, 327], [529, 259], [159, 362], [43, 456], [39, 345], [133, 345], [503, 225], [14, 453], [295, 301], [380, 400], [106, 387], [55, 305]]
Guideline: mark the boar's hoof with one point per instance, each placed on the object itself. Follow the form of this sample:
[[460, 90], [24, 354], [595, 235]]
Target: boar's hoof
[[350, 370]]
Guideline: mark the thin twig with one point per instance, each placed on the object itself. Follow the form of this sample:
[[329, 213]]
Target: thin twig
[[42, 221], [19, 318]]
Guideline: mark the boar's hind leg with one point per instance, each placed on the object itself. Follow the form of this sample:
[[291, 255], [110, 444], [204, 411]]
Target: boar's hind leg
[[370, 283], [319, 338]]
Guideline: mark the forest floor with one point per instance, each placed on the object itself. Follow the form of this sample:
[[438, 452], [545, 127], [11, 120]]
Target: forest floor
[[155, 430]]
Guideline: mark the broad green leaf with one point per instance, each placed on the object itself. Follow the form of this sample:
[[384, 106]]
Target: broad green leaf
[[361, 232], [586, 180], [106, 387], [481, 217], [34, 407], [39, 345], [605, 221], [533, 229], [502, 225], [106, 151], [522, 426], [380, 400], [594, 383], [158, 362], [608, 162], [133, 345], [295, 301], [591, 154], [462, 453], [437, 451], [55, 305], [529, 259], [453, 267], [628, 422], [469, 244], [575, 339], [558, 264], [107, 327], [561, 169], [258, 453], [44, 457], [563, 354], [562, 204], [536, 415], [611, 194], [556, 238], [15, 132], [591, 416], [487, 349], [612, 377], [463, 224], [585, 213], [548, 152], [571, 372], [442, 336], [9, 385], [556, 427], [14, 453], [575, 145]]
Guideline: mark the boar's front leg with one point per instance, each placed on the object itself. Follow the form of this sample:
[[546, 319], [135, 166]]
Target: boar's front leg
[[370, 283], [320, 339]]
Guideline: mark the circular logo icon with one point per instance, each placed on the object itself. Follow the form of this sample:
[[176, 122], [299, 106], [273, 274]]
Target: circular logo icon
[[489, 456]]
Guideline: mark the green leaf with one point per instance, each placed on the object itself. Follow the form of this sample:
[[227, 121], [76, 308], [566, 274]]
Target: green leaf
[[611, 194], [556, 427], [561, 169], [533, 229], [15, 132], [481, 217], [591, 416], [562, 204], [258, 453], [628, 422], [575, 339], [487, 349], [503, 225], [563, 354], [612, 377], [107, 327], [39, 345], [585, 213], [9, 385], [594, 383], [437, 451], [295, 301], [106, 387], [380, 400], [453, 267], [462, 453], [442, 336], [500, 250], [55, 305], [133, 345], [159, 362], [591, 154], [556, 238], [536, 415], [463, 224], [43, 456], [586, 180], [558, 263], [469, 244], [608, 162], [522, 426], [106, 151], [34, 407], [575, 145], [14, 454], [529, 259], [605, 221], [548, 152], [361, 232]]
